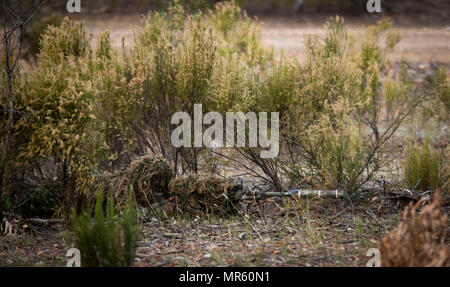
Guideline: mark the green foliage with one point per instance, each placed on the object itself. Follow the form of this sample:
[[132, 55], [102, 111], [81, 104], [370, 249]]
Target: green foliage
[[56, 129], [378, 90], [83, 113], [57, 95], [326, 104], [60, 42], [322, 144], [179, 60], [38, 202], [237, 33], [107, 239], [114, 105], [179, 55], [441, 81], [34, 31], [439, 106], [424, 169]]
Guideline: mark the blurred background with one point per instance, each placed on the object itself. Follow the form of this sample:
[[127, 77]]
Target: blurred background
[[424, 24], [422, 10]]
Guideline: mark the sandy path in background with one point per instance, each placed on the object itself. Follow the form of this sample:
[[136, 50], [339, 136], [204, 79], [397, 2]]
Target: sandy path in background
[[417, 44]]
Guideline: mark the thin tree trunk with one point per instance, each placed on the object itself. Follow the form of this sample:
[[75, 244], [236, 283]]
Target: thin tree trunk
[[9, 127], [10, 65]]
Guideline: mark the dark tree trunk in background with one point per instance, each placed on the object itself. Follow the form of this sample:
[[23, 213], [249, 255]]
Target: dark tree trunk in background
[[13, 27], [9, 126]]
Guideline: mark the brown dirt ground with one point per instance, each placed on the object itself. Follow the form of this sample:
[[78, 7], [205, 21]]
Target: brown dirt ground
[[289, 232], [320, 232]]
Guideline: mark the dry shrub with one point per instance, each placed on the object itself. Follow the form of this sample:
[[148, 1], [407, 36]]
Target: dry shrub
[[202, 195], [420, 238], [147, 175]]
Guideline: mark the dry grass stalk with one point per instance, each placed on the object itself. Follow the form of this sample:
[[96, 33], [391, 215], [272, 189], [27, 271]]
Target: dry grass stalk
[[419, 240]]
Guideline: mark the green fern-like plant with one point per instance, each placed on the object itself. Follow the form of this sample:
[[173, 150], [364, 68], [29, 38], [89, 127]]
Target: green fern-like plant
[[107, 239]]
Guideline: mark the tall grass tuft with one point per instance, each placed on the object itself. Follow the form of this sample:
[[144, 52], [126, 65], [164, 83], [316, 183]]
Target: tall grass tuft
[[424, 168], [107, 239]]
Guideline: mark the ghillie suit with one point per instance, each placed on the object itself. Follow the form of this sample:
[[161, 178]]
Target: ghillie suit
[[153, 183], [202, 195], [419, 240], [148, 175]]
